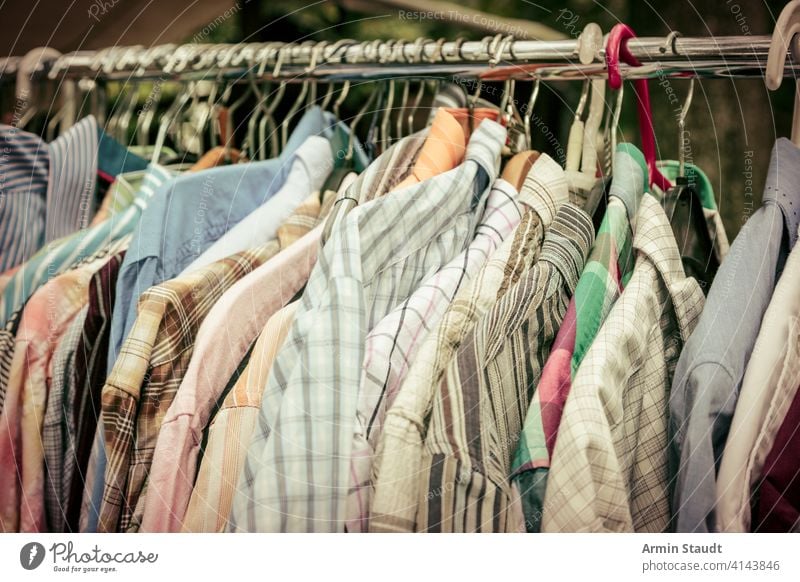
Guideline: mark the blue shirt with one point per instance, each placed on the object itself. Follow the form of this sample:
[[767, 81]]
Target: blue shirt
[[709, 373], [188, 214]]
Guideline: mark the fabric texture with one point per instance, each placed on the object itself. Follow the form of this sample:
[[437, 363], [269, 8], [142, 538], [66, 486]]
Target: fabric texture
[[610, 463], [608, 268], [768, 389], [22, 454], [480, 403], [188, 214], [143, 383], [778, 508], [232, 429], [231, 322], [23, 195], [711, 367], [399, 449], [310, 165], [375, 258], [392, 345]]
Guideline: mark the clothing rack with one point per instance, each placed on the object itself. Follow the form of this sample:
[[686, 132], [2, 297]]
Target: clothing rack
[[492, 59]]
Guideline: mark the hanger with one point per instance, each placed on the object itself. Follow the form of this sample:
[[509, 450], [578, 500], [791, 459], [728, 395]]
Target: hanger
[[267, 120], [784, 39], [616, 48], [418, 48], [23, 91], [315, 52], [684, 208]]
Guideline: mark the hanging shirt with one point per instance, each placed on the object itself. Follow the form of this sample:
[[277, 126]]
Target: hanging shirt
[[609, 266], [392, 345], [609, 470], [188, 214], [768, 388], [83, 247], [63, 254], [711, 367], [376, 256], [46, 317], [480, 402], [143, 383], [23, 195], [232, 429], [778, 508], [232, 324], [399, 450], [77, 380], [310, 166]]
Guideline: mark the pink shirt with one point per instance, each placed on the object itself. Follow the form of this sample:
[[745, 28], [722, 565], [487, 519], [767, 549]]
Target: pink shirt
[[222, 342]]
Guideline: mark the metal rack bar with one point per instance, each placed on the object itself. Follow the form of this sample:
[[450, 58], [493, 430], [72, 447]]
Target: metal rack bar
[[491, 59]]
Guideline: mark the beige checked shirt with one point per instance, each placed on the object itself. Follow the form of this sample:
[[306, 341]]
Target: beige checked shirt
[[398, 456], [481, 401], [147, 375], [609, 469]]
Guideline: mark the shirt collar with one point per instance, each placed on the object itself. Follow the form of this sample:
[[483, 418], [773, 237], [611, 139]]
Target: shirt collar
[[485, 145], [568, 241], [783, 185], [545, 188], [313, 122], [655, 240]]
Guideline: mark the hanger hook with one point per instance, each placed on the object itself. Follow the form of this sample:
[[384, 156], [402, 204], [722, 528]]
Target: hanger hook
[[784, 38], [681, 129]]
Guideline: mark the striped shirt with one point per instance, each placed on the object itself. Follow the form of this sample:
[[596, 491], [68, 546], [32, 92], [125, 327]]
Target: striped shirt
[[399, 451], [83, 247], [609, 469], [72, 180], [297, 477], [609, 267], [231, 431], [479, 404], [393, 344], [148, 372], [24, 171], [233, 323]]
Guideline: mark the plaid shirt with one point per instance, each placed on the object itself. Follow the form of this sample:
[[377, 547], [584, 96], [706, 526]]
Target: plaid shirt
[[234, 323], [393, 344], [73, 403], [399, 451], [46, 317], [146, 377], [296, 477], [479, 405], [610, 265], [609, 470]]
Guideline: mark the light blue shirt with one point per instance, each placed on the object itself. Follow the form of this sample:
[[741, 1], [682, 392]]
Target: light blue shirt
[[709, 373], [188, 214]]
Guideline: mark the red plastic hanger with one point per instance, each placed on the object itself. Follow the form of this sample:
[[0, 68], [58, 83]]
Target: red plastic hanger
[[616, 48]]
